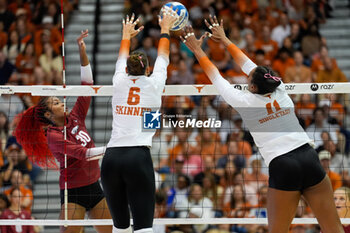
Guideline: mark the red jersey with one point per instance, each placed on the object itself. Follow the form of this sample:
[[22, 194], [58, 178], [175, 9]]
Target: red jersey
[[346, 229], [8, 214], [80, 172]]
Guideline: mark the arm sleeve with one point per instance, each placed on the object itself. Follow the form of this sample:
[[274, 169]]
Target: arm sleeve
[[241, 59], [92, 152], [122, 57], [162, 62], [86, 75], [231, 95], [56, 145]]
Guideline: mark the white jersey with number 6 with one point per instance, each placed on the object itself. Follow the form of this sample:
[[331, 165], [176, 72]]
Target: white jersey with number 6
[[132, 95]]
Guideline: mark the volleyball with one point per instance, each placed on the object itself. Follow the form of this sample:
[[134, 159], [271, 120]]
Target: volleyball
[[182, 13]]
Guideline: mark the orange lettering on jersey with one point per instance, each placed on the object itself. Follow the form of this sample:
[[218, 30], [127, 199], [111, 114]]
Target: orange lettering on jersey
[[137, 111], [96, 89], [130, 111], [275, 115]]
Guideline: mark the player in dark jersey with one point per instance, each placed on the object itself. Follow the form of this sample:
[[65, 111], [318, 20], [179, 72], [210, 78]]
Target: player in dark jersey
[[41, 133]]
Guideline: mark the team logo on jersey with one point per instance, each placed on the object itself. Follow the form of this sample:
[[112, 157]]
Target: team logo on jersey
[[75, 129], [151, 120], [314, 87]]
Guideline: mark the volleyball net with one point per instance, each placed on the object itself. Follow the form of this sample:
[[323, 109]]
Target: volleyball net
[[208, 169]]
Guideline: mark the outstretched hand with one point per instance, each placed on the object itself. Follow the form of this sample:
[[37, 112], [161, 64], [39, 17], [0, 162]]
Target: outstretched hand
[[129, 30], [168, 18], [189, 39], [80, 39], [218, 32]]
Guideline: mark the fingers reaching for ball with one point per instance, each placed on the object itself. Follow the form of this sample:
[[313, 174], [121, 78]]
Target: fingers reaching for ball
[[188, 37], [218, 32], [129, 25], [168, 18]]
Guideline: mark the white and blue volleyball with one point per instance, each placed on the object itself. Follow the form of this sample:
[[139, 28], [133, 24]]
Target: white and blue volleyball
[[182, 13]]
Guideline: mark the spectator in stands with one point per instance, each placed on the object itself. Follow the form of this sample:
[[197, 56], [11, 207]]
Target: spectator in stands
[[238, 207], [25, 64], [251, 47], [160, 210], [330, 73], [177, 197], [233, 155], [209, 169], [13, 47], [311, 42], [342, 202], [7, 70], [26, 193], [304, 109], [15, 211], [52, 64], [4, 133], [256, 178], [199, 206], [269, 46], [339, 162], [193, 163], [260, 211], [25, 30], [295, 36], [3, 36], [4, 203], [182, 75], [15, 160], [280, 32], [236, 38], [299, 73], [218, 54], [335, 178], [260, 58], [214, 192], [171, 178], [319, 60], [204, 110], [11, 104], [315, 130], [250, 192], [149, 49], [6, 16], [48, 33], [283, 62]]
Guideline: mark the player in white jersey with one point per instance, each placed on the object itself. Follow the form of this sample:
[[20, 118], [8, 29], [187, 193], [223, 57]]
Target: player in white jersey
[[127, 173], [268, 112]]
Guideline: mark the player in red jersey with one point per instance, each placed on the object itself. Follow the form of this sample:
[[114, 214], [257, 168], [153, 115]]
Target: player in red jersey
[[41, 133], [15, 212]]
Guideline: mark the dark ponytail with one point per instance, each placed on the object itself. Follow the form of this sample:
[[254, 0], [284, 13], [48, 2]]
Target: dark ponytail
[[137, 63], [265, 80]]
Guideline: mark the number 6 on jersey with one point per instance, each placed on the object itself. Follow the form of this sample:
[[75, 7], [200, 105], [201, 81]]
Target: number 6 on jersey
[[133, 98]]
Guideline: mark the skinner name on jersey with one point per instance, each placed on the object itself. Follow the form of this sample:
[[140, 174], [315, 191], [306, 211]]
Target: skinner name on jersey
[[210, 123], [131, 111]]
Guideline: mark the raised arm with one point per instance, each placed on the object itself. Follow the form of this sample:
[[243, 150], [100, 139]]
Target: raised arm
[[166, 22], [129, 32], [85, 68], [231, 95], [218, 34]]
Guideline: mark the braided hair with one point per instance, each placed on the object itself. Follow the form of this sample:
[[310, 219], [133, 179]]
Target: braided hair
[[30, 133]]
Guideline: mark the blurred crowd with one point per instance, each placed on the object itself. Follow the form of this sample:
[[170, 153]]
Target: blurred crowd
[[200, 173]]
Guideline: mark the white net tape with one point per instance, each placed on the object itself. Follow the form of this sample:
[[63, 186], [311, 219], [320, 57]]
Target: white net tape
[[170, 90]]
